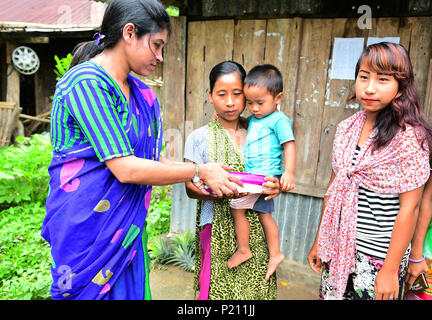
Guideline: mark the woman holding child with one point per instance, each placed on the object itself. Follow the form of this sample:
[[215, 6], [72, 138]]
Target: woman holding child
[[221, 141]]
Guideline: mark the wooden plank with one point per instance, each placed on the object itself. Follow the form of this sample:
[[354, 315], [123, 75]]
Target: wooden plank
[[428, 98], [310, 190], [385, 27], [249, 45], [336, 105], [312, 77], [404, 32], [219, 46], [250, 42], [172, 92], [209, 42], [420, 52], [30, 40], [283, 50], [9, 112], [25, 116], [195, 75], [44, 82], [13, 80]]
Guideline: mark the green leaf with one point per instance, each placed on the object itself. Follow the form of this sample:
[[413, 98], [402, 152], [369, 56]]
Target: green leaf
[[19, 139], [173, 11], [6, 176]]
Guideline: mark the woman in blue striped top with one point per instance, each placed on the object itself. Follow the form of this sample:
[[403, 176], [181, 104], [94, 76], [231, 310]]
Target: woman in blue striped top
[[107, 137]]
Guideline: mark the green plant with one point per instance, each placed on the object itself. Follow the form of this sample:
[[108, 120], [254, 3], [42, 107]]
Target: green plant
[[158, 216], [178, 250], [23, 171], [184, 251], [160, 249], [24, 255], [62, 65]]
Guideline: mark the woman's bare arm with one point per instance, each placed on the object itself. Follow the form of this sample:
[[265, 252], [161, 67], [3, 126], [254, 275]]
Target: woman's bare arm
[[135, 170], [386, 282], [417, 242]]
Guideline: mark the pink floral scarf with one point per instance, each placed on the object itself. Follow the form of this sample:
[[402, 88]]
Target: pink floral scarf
[[401, 166]]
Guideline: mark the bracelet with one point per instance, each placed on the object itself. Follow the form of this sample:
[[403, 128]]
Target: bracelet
[[421, 260]]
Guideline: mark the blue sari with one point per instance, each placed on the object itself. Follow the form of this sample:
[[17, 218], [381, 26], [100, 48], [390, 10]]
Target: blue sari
[[94, 224]]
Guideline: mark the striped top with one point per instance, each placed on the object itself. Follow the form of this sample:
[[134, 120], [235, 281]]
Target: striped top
[[376, 215], [89, 107]]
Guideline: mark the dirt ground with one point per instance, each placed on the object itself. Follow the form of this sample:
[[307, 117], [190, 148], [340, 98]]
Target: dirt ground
[[295, 282]]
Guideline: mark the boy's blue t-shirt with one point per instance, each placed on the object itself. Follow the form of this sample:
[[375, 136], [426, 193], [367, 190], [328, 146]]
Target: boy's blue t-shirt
[[263, 148]]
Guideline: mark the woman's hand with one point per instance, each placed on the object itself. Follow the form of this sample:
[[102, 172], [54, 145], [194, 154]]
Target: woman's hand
[[313, 259], [204, 194], [386, 285], [274, 185], [201, 187], [219, 180], [414, 270]]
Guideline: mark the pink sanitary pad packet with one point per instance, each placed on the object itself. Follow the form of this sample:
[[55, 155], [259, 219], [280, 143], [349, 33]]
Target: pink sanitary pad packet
[[252, 183]]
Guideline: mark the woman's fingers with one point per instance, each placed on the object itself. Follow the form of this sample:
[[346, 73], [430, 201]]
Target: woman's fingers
[[409, 280], [274, 185], [226, 167], [315, 264], [414, 270], [387, 296], [386, 285], [241, 195], [220, 181]]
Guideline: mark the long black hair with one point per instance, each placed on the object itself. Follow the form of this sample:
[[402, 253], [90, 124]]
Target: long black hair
[[148, 16], [223, 68]]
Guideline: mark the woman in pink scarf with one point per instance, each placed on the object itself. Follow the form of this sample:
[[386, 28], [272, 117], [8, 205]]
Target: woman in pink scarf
[[380, 164]]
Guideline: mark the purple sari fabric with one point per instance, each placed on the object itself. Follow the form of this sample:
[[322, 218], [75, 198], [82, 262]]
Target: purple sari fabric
[[95, 224]]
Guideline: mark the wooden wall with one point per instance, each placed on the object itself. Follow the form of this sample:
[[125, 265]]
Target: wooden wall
[[254, 9], [302, 49]]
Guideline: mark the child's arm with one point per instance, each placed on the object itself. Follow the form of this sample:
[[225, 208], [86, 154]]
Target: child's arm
[[289, 158], [424, 219], [386, 282]]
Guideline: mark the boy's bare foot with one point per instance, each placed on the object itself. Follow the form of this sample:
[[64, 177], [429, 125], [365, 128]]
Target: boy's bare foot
[[238, 258], [273, 263]]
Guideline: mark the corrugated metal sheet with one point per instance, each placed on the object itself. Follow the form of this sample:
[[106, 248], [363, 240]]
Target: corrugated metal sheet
[[183, 210], [297, 217], [59, 12]]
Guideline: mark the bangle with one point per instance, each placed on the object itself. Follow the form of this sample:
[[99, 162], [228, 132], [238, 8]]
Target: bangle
[[421, 260]]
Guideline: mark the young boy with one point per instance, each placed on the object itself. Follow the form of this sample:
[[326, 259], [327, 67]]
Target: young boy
[[269, 150]]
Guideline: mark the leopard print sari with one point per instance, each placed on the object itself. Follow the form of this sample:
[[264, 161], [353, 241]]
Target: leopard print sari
[[245, 282]]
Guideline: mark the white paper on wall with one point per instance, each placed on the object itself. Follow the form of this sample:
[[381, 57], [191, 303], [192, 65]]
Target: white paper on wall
[[346, 52], [373, 40]]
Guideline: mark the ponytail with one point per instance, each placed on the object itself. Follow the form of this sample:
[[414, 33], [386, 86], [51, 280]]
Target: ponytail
[[84, 51], [148, 16]]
